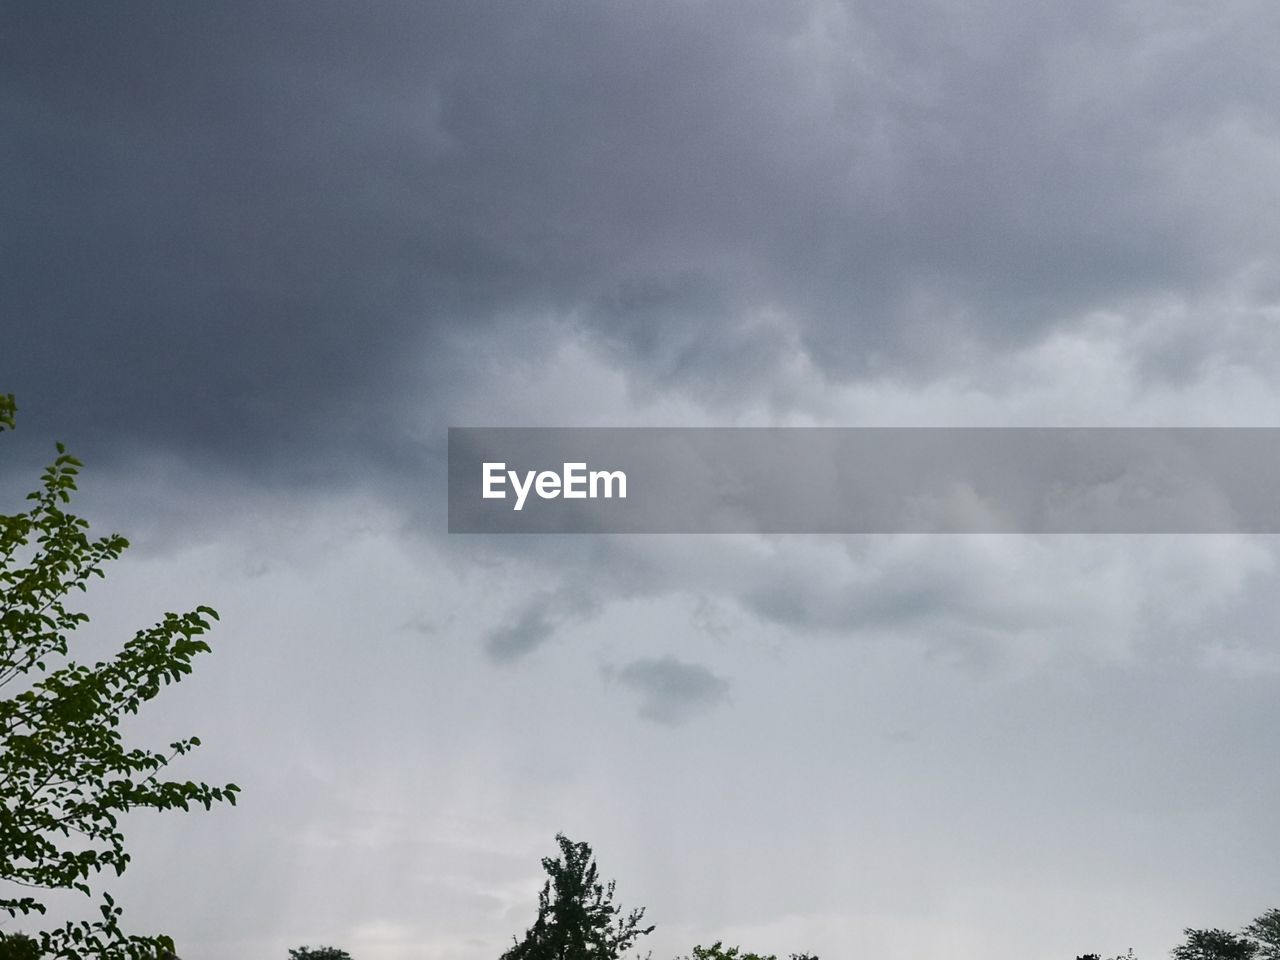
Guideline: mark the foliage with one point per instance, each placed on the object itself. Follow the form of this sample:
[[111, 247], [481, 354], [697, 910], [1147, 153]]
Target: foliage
[[17, 946], [1214, 945], [66, 775], [1265, 932], [576, 914], [318, 953], [718, 951]]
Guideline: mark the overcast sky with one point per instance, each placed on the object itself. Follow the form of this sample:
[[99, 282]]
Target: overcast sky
[[257, 257]]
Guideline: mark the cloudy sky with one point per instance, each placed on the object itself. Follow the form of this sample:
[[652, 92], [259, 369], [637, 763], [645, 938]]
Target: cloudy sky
[[256, 258]]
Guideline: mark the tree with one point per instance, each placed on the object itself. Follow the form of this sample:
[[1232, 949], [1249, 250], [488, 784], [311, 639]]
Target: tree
[[577, 918], [66, 774], [1265, 932], [718, 951], [16, 946], [318, 953], [1214, 945]]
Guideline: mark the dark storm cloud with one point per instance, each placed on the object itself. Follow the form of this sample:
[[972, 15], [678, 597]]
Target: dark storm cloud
[[672, 691], [242, 232]]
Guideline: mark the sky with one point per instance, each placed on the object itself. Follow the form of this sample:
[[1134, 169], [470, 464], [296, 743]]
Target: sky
[[256, 258]]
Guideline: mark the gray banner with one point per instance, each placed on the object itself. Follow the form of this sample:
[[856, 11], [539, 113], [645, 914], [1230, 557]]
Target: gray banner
[[864, 480]]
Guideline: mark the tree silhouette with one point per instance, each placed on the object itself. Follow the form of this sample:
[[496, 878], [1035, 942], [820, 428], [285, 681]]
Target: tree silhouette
[[577, 918], [318, 953], [1265, 932], [718, 951], [1214, 945], [17, 946]]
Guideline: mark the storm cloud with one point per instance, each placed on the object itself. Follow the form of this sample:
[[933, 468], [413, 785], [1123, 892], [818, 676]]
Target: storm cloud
[[249, 234], [257, 257]]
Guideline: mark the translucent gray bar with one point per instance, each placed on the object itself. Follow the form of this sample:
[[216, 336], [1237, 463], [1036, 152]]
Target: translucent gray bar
[[868, 480]]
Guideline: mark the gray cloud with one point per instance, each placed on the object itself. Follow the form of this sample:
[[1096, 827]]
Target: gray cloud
[[671, 691], [261, 237], [531, 629], [256, 257], [537, 620]]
